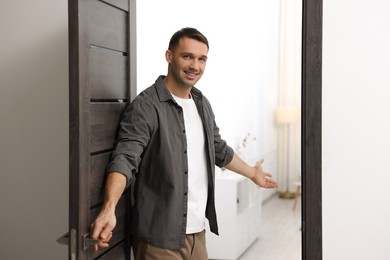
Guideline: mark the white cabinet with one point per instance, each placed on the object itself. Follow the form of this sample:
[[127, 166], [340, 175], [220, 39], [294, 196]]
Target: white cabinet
[[238, 204]]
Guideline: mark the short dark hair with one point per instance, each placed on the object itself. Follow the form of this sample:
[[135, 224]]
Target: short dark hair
[[188, 32]]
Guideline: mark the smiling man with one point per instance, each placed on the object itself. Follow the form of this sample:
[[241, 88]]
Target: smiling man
[[169, 144]]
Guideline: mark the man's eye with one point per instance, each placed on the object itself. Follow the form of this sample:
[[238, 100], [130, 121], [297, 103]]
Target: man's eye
[[203, 60], [186, 57]]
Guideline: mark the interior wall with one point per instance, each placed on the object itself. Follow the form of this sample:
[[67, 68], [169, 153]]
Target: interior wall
[[356, 130], [289, 138], [33, 128], [241, 78]]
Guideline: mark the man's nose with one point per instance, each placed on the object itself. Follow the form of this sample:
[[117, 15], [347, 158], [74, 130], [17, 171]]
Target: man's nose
[[194, 64]]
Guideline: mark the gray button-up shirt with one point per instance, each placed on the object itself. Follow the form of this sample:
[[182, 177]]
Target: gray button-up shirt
[[152, 147]]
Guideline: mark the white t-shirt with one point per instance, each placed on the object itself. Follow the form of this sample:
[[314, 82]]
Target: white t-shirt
[[197, 167]]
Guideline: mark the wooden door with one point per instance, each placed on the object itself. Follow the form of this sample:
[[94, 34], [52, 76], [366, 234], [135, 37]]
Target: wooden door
[[102, 62]]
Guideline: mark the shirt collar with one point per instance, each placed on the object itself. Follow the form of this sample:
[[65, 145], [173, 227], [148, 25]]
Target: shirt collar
[[164, 94]]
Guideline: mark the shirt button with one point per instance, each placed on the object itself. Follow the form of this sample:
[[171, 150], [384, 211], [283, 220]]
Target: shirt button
[[185, 193], [184, 131], [185, 172], [185, 151], [185, 215]]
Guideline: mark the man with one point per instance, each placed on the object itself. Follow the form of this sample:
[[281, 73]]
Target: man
[[169, 141]]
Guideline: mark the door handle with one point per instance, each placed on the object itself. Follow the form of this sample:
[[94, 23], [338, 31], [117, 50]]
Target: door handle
[[70, 240], [87, 242]]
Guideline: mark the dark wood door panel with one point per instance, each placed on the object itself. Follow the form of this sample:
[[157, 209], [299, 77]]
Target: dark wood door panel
[[104, 121], [102, 78], [119, 252], [121, 4], [108, 74], [97, 176], [107, 26]]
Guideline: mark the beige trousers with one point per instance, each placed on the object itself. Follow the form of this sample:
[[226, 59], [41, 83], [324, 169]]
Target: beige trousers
[[195, 249]]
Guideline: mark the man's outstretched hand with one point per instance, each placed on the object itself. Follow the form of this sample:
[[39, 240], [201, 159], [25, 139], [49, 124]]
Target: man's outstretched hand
[[262, 178]]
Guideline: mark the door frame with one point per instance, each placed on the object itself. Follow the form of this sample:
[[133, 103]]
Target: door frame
[[311, 129]]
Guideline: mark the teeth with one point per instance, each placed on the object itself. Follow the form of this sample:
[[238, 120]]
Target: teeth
[[191, 74]]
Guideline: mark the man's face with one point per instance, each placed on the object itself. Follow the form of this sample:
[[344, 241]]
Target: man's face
[[187, 62]]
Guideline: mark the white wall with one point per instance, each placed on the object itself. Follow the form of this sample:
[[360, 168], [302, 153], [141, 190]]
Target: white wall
[[33, 128], [289, 138], [356, 130], [241, 79]]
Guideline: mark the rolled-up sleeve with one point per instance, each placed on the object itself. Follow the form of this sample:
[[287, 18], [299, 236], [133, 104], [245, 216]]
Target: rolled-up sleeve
[[223, 152], [134, 133]]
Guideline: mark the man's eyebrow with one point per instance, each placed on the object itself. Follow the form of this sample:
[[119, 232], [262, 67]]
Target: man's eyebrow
[[187, 53], [191, 54]]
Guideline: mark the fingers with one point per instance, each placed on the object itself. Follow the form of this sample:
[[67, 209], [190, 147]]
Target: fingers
[[96, 230], [271, 184], [101, 233], [260, 162], [109, 237], [106, 233], [103, 243]]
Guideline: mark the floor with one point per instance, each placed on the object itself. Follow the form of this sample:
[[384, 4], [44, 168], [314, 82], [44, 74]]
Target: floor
[[280, 235]]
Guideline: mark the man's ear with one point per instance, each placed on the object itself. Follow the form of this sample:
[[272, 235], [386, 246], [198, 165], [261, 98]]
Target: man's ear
[[168, 56]]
